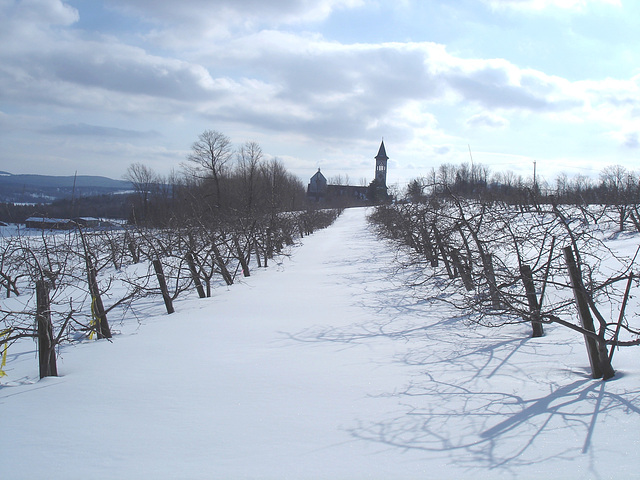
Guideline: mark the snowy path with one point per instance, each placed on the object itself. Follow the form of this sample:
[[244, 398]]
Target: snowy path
[[322, 367]]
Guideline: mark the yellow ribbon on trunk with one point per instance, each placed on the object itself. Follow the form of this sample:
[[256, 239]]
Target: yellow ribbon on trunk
[[4, 333]]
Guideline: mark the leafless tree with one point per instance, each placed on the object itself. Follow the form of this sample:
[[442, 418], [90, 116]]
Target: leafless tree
[[507, 265], [208, 159], [249, 158], [618, 183], [144, 180]]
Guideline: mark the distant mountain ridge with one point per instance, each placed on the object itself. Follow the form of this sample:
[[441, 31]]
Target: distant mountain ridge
[[28, 188]]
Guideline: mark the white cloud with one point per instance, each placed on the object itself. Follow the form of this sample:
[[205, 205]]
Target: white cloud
[[83, 129], [299, 83], [186, 23], [501, 84], [615, 105], [487, 120], [632, 140], [268, 83], [44, 12], [539, 5], [275, 11]]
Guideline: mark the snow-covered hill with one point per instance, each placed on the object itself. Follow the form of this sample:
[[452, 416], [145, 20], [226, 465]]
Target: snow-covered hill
[[47, 188], [322, 366]]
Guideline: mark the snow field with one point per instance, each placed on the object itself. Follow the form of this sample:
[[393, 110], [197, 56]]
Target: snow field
[[322, 366]]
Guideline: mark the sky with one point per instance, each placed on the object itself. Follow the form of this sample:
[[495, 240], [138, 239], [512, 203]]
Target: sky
[[92, 86]]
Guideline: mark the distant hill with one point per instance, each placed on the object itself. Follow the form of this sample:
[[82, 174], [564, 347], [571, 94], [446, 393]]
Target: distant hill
[[25, 188]]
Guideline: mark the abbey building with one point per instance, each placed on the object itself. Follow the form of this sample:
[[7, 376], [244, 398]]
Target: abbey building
[[319, 190]]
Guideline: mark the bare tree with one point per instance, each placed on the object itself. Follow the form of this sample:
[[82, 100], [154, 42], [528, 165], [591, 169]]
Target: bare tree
[[337, 180], [144, 180], [502, 262], [616, 181], [208, 158], [249, 157]]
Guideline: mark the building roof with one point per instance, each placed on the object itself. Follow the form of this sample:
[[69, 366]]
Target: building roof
[[318, 176], [48, 220], [382, 153]]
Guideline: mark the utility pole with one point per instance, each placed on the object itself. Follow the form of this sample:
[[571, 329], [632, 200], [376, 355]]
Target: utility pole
[[73, 196], [471, 156]]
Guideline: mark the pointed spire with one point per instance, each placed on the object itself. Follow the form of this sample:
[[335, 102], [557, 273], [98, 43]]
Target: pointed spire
[[382, 153]]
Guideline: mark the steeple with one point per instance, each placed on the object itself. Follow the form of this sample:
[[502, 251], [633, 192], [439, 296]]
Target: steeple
[[381, 166], [382, 153]]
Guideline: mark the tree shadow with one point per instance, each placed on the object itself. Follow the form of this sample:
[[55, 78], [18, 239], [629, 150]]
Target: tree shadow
[[490, 398], [477, 428]]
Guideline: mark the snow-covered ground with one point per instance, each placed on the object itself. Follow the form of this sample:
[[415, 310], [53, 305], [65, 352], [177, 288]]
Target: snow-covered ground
[[323, 366]]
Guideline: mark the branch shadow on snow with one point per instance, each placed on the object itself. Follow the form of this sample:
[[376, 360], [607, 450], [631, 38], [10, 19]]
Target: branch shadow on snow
[[497, 430], [490, 398]]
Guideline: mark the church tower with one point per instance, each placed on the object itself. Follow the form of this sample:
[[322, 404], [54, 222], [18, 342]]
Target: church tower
[[381, 167]]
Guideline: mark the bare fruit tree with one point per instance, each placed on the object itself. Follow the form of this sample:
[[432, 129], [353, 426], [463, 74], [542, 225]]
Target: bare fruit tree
[[507, 264]]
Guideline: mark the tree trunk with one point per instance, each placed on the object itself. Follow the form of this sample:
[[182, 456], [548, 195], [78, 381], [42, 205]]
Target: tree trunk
[[46, 345], [486, 258], [269, 245], [429, 251], [443, 252], [102, 324], [194, 275], [241, 258], [463, 270], [491, 280], [636, 221], [133, 249], [532, 300], [168, 302], [597, 350], [221, 265]]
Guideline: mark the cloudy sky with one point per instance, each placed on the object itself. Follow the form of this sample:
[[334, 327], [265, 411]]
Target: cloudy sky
[[94, 85]]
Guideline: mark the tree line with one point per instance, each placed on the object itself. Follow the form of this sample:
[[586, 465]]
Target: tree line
[[216, 182], [615, 185]]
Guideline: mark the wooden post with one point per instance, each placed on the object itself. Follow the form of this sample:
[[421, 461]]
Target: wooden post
[[532, 300], [168, 302], [46, 345], [597, 351]]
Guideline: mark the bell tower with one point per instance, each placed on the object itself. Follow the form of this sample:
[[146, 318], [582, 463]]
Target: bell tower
[[381, 167]]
